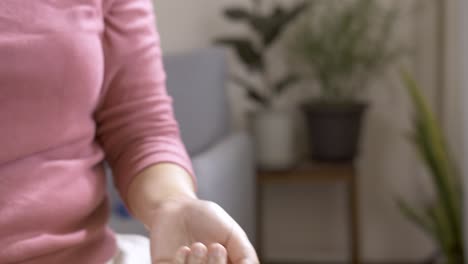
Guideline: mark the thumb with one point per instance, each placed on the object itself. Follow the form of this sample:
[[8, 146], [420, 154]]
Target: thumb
[[239, 248]]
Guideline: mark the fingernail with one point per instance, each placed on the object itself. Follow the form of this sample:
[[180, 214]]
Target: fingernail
[[218, 252], [249, 262], [198, 251], [217, 257], [181, 255]]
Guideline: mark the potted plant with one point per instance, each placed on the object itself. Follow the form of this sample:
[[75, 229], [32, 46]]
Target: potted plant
[[342, 46], [272, 126], [442, 217]]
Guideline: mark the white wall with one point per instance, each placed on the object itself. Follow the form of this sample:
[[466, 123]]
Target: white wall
[[307, 222], [452, 103], [463, 63], [187, 25]]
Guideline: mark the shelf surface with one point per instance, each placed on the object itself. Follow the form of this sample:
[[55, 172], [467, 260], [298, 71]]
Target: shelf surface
[[309, 172]]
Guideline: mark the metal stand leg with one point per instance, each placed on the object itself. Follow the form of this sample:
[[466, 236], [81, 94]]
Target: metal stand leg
[[259, 227], [354, 220]]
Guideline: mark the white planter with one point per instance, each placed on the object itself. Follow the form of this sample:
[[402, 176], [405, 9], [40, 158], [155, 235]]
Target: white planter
[[275, 139]]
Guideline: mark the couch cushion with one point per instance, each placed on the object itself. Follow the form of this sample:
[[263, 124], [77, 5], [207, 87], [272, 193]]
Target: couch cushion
[[196, 81]]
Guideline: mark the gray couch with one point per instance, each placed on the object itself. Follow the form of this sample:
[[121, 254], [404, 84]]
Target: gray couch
[[223, 160]]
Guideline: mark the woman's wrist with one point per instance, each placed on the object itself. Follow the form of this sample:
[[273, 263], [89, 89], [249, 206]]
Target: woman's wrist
[[171, 204], [156, 186]]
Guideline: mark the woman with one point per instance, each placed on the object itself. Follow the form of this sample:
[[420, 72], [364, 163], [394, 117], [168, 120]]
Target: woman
[[82, 81]]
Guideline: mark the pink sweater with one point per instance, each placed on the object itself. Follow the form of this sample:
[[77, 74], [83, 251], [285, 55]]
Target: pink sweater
[[80, 81]]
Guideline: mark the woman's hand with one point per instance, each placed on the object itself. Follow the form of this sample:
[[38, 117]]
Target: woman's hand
[[184, 229], [192, 231]]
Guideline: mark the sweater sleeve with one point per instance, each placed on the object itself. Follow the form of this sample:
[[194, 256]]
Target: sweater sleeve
[[135, 120]]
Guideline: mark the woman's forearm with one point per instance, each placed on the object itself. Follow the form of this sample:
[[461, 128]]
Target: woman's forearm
[[156, 184]]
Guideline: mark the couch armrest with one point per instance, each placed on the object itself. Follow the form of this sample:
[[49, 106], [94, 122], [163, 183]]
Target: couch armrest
[[226, 175]]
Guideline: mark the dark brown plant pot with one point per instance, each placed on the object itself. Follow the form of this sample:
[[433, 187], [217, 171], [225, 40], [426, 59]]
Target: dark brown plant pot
[[334, 130]]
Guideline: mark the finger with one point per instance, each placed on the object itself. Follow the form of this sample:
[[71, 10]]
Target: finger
[[217, 254], [239, 248], [198, 254], [181, 255]]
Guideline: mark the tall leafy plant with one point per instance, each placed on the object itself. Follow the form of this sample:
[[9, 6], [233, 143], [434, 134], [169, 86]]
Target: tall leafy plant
[[344, 44], [442, 218], [266, 28]]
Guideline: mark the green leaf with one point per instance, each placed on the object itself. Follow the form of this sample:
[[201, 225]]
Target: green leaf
[[255, 96], [447, 240], [285, 83], [246, 52], [433, 149], [252, 92], [416, 217], [259, 24], [273, 26], [237, 14], [345, 44], [279, 11]]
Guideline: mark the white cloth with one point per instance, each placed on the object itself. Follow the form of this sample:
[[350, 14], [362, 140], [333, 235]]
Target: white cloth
[[132, 249]]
